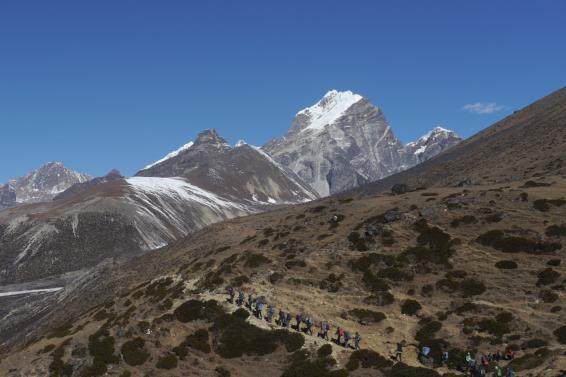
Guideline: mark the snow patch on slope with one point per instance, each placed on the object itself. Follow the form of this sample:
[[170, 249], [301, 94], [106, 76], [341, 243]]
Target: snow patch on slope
[[170, 155], [330, 108]]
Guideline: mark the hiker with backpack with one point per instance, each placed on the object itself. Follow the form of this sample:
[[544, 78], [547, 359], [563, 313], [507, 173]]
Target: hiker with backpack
[[231, 294], [357, 340], [347, 338], [241, 298], [444, 357], [510, 373], [497, 371], [339, 334], [309, 323], [298, 318], [250, 301], [270, 313], [288, 320], [399, 351], [324, 329], [282, 318]]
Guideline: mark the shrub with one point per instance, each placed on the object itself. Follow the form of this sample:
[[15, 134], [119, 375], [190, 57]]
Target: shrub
[[530, 361], [395, 274], [193, 310], [275, 277], [158, 289], [423, 254], [543, 205], [367, 316], [236, 338], [134, 353], [380, 299], [222, 372], [367, 359], [554, 262], [556, 230], [560, 334], [373, 283], [332, 283], [313, 368], [534, 343], [240, 280], [58, 367], [472, 287], [427, 332], [101, 348], [198, 341], [403, 370], [61, 331], [181, 352], [410, 307], [506, 265], [357, 242], [255, 260], [547, 276], [324, 351], [47, 348], [548, 296], [467, 219], [168, 361]]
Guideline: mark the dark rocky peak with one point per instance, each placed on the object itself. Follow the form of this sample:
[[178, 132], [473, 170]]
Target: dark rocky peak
[[210, 137]]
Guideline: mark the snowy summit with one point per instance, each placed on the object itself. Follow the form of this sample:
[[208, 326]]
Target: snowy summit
[[330, 108]]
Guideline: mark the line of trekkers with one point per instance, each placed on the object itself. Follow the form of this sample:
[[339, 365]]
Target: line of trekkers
[[284, 319], [472, 367]]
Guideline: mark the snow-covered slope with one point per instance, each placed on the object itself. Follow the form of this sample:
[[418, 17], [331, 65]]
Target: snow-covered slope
[[243, 172], [171, 154], [429, 145], [39, 185], [344, 141]]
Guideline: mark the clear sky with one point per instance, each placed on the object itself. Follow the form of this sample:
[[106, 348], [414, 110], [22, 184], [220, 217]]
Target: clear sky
[[119, 83]]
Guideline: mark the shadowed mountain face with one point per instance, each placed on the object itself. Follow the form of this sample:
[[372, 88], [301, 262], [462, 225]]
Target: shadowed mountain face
[[474, 269], [527, 144], [117, 217]]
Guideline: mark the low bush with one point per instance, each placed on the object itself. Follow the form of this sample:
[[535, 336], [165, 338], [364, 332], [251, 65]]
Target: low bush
[[324, 351], [547, 276], [560, 334], [404, 370], [303, 367], [332, 283], [101, 348], [198, 341], [506, 265], [466, 220], [240, 280], [253, 260], [367, 316], [357, 242], [554, 262], [556, 231], [374, 283], [530, 360], [395, 274], [380, 299], [543, 205], [222, 372], [410, 307], [427, 332], [134, 353], [168, 361], [193, 310], [236, 338], [58, 367], [548, 296], [275, 277], [367, 359], [534, 343]]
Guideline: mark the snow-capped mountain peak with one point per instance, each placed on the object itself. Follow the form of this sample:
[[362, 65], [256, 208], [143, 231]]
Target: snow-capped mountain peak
[[431, 143], [240, 143], [171, 154], [330, 108], [40, 185]]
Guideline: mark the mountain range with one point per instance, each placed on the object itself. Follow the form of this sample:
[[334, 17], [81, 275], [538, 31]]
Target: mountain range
[[462, 253]]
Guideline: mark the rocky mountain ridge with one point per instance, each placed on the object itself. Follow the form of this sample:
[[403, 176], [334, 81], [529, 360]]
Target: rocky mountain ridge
[[344, 141]]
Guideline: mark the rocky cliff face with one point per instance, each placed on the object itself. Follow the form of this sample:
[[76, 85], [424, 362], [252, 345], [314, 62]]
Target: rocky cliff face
[[40, 185], [344, 141], [430, 145]]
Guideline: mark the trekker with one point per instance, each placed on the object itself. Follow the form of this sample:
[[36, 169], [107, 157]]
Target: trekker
[[288, 320], [399, 352], [324, 328], [497, 371], [347, 338], [282, 318], [309, 323], [339, 335], [423, 356], [510, 373], [484, 361], [357, 340], [509, 355], [497, 355], [445, 357], [270, 313], [241, 298], [250, 301], [299, 318], [231, 295]]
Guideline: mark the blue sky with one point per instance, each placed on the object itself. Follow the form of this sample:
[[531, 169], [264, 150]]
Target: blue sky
[[117, 84]]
